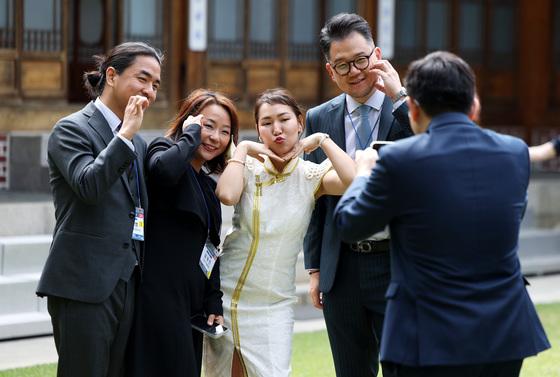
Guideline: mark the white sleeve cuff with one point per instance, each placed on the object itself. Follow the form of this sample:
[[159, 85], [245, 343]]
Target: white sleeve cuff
[[127, 142]]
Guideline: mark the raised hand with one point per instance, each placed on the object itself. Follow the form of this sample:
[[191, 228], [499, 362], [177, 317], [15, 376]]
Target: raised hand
[[365, 161], [258, 150], [133, 116], [390, 82], [199, 119]]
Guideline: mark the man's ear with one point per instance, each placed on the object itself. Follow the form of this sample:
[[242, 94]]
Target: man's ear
[[413, 109], [110, 75], [330, 71]]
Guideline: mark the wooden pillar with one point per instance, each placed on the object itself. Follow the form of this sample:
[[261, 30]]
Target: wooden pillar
[[195, 61], [534, 68], [176, 32]]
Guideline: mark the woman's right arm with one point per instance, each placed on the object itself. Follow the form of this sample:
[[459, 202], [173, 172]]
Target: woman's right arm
[[230, 184], [544, 151], [167, 161]]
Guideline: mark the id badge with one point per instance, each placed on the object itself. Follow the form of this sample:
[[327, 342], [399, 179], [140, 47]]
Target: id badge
[[208, 258], [138, 230]]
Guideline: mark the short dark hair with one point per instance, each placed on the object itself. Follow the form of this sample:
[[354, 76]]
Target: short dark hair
[[341, 26], [193, 105], [120, 58], [441, 82], [277, 96]]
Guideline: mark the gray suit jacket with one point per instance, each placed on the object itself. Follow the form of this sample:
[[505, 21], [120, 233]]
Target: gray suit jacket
[[94, 208], [322, 242]]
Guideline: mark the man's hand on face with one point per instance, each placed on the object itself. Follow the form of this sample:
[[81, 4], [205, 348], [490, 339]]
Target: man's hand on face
[[133, 115], [390, 82]]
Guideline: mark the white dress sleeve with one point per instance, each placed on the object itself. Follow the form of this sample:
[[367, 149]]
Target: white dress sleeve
[[314, 173]]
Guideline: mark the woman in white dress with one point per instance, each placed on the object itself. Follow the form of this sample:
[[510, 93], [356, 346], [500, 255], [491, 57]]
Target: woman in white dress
[[274, 196]]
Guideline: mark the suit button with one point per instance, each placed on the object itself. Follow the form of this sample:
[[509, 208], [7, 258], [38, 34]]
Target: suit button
[[125, 245], [131, 215]]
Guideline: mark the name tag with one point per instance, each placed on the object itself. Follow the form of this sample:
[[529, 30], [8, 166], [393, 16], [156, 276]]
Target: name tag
[[208, 258], [138, 229]]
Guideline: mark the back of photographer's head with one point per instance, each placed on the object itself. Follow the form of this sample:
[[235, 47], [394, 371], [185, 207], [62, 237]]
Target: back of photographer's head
[[441, 82]]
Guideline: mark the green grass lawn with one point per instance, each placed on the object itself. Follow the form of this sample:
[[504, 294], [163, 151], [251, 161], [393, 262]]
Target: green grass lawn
[[312, 358]]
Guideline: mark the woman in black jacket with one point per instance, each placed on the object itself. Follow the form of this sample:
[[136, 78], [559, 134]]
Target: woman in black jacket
[[183, 224]]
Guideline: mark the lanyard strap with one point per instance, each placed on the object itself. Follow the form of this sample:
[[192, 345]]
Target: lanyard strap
[[137, 176], [359, 142], [191, 169]]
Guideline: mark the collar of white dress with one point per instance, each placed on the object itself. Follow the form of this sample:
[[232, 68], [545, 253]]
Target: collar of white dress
[[288, 169]]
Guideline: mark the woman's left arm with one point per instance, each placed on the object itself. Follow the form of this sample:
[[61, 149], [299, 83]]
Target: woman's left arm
[[335, 181]]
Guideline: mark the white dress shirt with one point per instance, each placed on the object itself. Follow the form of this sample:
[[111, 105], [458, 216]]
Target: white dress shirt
[[113, 121], [375, 101]]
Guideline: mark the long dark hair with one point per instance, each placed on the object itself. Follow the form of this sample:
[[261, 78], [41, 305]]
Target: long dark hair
[[120, 58], [193, 105]]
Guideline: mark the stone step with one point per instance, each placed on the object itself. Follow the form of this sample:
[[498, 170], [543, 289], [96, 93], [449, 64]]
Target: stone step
[[17, 294], [539, 242], [26, 214], [23, 254], [24, 324]]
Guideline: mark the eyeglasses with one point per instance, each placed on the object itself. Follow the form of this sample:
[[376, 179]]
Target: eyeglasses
[[361, 63]]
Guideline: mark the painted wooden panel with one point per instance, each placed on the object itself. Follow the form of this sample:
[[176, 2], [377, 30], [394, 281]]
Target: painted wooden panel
[[303, 83], [41, 76], [7, 76], [227, 79], [260, 78]]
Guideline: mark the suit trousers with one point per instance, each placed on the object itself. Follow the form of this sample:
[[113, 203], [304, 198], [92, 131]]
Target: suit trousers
[[354, 310], [501, 369], [90, 338]]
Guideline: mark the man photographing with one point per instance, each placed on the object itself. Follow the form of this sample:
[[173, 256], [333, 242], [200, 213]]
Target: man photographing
[[453, 196]]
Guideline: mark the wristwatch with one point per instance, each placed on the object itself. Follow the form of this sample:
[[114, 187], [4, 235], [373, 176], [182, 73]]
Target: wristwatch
[[400, 94]]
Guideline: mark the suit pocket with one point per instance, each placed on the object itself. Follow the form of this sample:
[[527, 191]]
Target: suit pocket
[[392, 290]]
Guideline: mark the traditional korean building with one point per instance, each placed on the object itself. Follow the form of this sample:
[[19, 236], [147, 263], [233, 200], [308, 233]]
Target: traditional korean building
[[242, 47]]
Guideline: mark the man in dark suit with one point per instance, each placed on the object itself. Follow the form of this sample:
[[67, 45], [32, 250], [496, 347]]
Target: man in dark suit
[[453, 196], [96, 162], [348, 280]]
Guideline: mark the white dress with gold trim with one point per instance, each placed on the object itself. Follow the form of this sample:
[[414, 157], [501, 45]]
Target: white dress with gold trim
[[258, 268]]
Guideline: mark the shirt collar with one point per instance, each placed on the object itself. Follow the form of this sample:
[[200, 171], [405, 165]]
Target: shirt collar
[[109, 116], [375, 101]]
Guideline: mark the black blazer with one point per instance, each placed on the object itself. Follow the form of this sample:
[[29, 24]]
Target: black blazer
[[322, 242], [178, 228], [94, 208]]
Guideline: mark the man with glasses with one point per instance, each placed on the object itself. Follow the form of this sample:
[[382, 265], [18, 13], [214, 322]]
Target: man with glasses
[[348, 280]]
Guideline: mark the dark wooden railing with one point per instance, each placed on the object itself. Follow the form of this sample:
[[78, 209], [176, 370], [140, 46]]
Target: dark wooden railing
[[7, 39], [42, 40]]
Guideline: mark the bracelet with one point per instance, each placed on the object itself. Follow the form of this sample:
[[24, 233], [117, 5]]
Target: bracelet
[[313, 271], [236, 160], [325, 137]]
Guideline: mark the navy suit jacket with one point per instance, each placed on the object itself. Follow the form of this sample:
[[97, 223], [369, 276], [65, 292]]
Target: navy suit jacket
[[322, 242], [454, 198]]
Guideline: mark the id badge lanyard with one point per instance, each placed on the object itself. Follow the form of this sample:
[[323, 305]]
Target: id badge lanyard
[[363, 144], [138, 229], [210, 253]]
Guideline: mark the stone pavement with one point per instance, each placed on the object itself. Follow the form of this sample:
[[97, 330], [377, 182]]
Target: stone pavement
[[41, 350]]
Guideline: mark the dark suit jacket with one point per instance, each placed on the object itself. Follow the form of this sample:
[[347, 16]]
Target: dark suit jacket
[[454, 198], [322, 241], [179, 227], [173, 287], [94, 208]]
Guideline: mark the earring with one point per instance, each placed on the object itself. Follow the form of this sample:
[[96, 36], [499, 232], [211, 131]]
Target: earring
[[260, 140]]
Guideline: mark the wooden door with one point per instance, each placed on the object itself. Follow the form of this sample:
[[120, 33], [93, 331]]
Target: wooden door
[[87, 28]]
